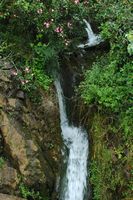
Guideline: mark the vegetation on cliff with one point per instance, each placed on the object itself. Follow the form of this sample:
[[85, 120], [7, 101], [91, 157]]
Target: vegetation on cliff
[[108, 85]]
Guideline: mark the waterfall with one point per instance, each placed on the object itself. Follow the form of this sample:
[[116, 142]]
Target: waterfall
[[75, 138], [93, 39]]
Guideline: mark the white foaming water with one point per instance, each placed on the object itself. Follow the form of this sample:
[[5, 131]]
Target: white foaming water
[[77, 143], [93, 39]]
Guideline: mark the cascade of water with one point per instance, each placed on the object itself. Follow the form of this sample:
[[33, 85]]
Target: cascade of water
[[77, 143], [62, 109], [93, 39]]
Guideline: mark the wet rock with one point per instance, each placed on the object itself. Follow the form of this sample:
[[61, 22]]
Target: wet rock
[[9, 197], [8, 179]]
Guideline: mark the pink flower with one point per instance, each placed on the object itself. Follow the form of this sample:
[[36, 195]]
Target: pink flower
[[39, 11], [76, 1], [59, 30], [47, 24]]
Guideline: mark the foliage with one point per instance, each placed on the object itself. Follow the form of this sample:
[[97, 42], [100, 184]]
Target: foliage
[[26, 193], [24, 76], [43, 54], [108, 84], [110, 168], [37, 32]]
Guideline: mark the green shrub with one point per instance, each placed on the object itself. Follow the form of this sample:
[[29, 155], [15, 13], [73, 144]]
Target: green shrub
[[107, 85], [37, 32], [108, 82], [26, 193]]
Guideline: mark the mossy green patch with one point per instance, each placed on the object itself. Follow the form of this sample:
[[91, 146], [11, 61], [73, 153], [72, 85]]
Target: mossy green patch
[[110, 169]]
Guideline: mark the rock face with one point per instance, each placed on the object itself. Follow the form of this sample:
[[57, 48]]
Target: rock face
[[9, 197], [30, 138], [8, 178], [24, 152]]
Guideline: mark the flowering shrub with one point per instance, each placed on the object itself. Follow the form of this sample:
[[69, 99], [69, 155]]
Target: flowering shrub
[[51, 26], [55, 22], [24, 77]]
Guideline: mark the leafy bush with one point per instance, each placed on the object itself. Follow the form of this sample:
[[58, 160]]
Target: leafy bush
[[108, 86], [37, 32], [108, 82], [30, 193]]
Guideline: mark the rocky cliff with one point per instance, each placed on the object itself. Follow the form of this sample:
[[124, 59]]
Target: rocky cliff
[[30, 139]]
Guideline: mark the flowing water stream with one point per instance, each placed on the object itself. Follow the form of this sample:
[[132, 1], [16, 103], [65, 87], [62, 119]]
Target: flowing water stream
[[75, 138], [76, 141], [93, 39]]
